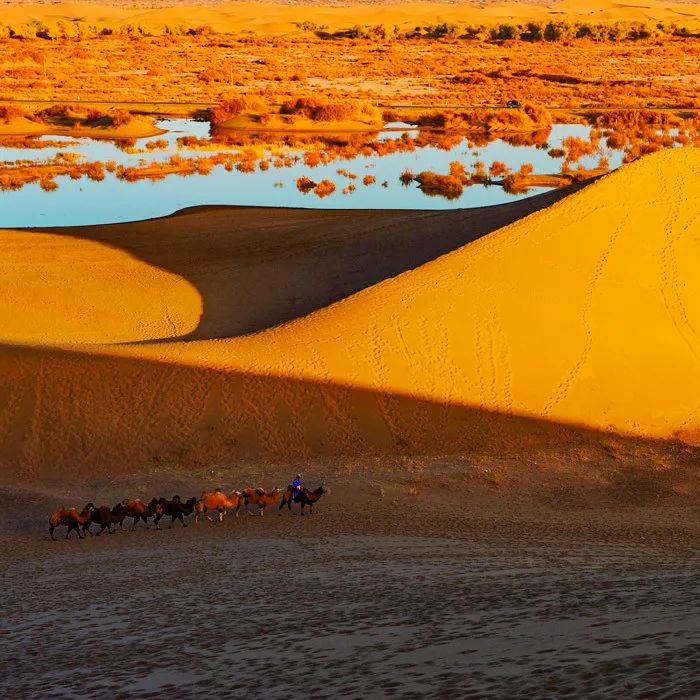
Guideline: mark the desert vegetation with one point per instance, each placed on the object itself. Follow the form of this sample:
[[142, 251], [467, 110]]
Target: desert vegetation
[[555, 64], [633, 132]]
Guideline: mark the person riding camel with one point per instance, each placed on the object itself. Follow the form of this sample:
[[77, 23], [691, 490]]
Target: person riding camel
[[296, 485]]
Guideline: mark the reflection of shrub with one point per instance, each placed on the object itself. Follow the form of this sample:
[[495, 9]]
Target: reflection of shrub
[[157, 144], [406, 177], [498, 168], [368, 180], [305, 184], [516, 183], [48, 184], [434, 184], [324, 188]]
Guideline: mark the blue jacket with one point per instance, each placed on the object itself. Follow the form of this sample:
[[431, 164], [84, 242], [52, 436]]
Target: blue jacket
[[296, 484]]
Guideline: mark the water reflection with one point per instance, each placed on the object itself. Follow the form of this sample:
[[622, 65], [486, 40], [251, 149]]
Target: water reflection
[[145, 178]]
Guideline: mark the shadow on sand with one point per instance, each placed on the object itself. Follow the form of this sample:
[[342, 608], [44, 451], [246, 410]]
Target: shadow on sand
[[73, 413], [258, 267]]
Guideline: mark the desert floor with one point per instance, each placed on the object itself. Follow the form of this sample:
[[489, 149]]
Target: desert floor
[[454, 581]]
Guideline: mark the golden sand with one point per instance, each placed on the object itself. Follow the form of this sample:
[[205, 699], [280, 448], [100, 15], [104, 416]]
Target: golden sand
[[586, 313], [270, 18]]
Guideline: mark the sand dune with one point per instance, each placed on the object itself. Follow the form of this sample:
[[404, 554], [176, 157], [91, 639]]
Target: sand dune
[[271, 18], [586, 313]]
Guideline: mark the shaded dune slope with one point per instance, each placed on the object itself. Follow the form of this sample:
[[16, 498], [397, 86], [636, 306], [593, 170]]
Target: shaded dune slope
[[217, 272], [584, 316]]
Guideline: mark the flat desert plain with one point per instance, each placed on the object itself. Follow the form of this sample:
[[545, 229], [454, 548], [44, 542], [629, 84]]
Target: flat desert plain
[[502, 403]]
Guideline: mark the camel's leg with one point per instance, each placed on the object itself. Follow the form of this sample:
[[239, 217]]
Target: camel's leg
[[221, 515], [51, 529], [302, 509]]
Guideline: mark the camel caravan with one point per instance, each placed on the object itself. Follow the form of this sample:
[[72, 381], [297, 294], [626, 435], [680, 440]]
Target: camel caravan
[[111, 519]]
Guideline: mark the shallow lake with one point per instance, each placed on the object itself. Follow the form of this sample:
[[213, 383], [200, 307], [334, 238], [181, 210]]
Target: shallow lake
[[84, 201]]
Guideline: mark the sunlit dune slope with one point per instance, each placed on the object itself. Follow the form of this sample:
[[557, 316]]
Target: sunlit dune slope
[[586, 313], [68, 290]]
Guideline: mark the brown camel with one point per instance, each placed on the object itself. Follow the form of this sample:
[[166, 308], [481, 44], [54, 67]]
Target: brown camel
[[219, 501], [304, 496], [101, 516], [260, 498], [71, 518], [176, 509], [138, 510]]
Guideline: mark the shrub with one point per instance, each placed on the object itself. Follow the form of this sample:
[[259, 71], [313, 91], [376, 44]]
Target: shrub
[[320, 110], [503, 32], [233, 107], [93, 115], [9, 113], [120, 117]]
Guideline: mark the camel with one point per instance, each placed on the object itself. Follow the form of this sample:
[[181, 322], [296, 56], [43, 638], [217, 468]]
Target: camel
[[219, 501], [138, 510], [101, 516], [71, 518], [176, 509], [260, 498], [305, 496]]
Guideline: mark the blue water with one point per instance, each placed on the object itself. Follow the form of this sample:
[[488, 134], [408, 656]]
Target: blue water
[[84, 201]]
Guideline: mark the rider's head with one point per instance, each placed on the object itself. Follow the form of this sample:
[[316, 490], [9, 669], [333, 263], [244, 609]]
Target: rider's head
[[298, 476]]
